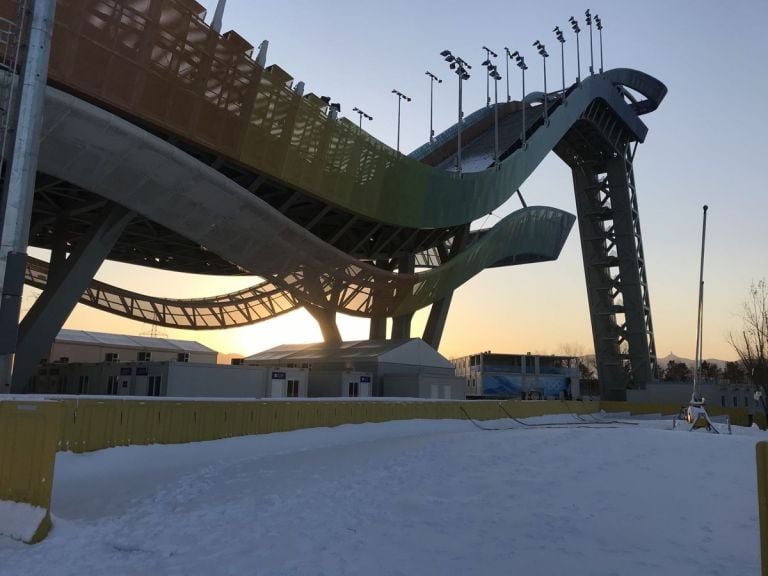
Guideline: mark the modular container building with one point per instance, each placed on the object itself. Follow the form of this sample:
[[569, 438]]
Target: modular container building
[[527, 376], [362, 368]]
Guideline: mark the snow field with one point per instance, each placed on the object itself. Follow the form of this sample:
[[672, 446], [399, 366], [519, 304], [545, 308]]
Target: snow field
[[415, 497]]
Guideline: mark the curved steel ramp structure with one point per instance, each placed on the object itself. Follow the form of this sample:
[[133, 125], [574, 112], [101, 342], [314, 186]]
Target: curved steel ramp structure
[[165, 144]]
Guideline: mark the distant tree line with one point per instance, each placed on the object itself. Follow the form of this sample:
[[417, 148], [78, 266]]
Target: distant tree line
[[681, 372]]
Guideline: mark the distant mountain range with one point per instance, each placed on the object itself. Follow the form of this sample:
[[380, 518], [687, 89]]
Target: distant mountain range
[[671, 356]]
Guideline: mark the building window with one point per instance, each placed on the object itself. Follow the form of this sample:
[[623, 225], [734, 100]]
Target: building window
[[292, 389], [735, 402], [144, 357], [112, 385], [182, 357], [82, 387], [722, 401], [112, 357], [153, 386], [353, 389]]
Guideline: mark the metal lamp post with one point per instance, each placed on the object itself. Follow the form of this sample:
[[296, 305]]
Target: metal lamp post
[[591, 53], [506, 60], [576, 29], [460, 67], [544, 55], [432, 80], [494, 73], [561, 39], [400, 98], [600, 31], [362, 115], [523, 67], [488, 54]]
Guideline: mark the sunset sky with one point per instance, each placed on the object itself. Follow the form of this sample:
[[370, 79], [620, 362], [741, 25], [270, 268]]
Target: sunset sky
[[706, 145]]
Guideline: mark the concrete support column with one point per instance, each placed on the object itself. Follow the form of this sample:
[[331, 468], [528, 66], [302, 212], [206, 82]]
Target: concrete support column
[[20, 179], [326, 319], [46, 317], [438, 315], [378, 330], [433, 331], [401, 325]]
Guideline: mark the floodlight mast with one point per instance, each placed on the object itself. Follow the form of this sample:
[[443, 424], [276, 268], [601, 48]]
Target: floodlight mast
[[506, 61], [460, 67], [600, 31], [544, 55], [361, 114], [561, 39], [494, 73], [488, 54], [576, 29], [523, 67], [400, 98], [432, 80], [591, 53]]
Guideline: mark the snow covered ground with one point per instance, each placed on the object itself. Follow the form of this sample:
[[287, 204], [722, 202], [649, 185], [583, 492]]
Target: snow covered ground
[[416, 497]]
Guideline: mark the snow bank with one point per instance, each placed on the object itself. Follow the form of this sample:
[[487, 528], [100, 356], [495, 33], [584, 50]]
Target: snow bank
[[20, 521], [412, 497]]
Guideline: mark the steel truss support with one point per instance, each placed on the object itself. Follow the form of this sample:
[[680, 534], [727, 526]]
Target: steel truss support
[[46, 317], [614, 267]]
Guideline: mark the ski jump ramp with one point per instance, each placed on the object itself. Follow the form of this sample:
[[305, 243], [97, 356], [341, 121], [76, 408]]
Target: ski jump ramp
[[165, 144]]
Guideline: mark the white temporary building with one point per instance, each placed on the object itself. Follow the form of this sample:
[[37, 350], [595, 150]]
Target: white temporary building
[[88, 346], [403, 367]]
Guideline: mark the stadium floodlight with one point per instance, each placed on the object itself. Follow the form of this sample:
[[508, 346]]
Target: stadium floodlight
[[523, 67], [576, 29], [488, 54], [506, 60], [362, 115], [591, 53], [400, 98], [493, 72], [432, 80], [544, 55], [461, 68], [561, 38], [599, 24]]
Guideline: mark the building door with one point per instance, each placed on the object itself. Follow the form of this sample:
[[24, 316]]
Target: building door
[[353, 389], [434, 391], [153, 388]]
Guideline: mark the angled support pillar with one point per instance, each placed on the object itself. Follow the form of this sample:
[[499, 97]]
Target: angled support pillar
[[401, 325], [378, 330], [46, 317], [326, 319], [438, 315]]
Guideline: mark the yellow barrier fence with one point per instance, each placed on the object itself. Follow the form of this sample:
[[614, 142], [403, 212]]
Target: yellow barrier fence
[[90, 424], [762, 502], [29, 435], [32, 431]]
